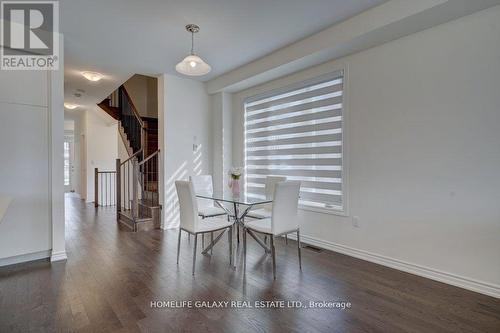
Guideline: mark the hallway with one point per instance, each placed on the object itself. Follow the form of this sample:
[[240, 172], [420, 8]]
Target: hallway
[[112, 276]]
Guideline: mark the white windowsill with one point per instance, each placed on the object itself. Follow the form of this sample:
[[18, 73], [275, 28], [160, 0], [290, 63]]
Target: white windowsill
[[324, 210]]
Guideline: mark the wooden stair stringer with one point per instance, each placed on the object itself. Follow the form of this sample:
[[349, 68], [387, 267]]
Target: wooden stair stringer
[[125, 140]]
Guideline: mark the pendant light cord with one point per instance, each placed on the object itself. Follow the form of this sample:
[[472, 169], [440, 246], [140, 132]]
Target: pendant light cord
[[192, 43]]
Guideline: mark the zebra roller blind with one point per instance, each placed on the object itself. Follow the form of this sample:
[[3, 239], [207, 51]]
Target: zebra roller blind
[[297, 132]]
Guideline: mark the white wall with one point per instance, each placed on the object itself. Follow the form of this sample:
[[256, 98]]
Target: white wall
[[144, 94], [424, 127], [26, 227], [31, 146], [222, 139], [383, 23], [185, 119], [102, 145]]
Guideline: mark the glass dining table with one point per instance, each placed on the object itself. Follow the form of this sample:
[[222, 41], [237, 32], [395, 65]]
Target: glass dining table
[[241, 205]]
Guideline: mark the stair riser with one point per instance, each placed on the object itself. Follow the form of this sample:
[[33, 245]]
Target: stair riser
[[143, 225], [126, 221], [153, 212]]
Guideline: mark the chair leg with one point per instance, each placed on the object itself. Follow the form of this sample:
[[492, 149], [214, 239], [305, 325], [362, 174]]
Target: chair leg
[[286, 239], [203, 241], [230, 241], [194, 250], [298, 249], [244, 249], [273, 253], [211, 241], [179, 245], [238, 232]]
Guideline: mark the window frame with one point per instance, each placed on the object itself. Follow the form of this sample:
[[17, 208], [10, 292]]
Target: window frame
[[345, 133]]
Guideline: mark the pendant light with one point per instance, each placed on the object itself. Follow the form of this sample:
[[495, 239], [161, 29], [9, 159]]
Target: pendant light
[[193, 65]]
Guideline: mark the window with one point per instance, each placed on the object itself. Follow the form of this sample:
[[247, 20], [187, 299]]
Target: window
[[297, 132]]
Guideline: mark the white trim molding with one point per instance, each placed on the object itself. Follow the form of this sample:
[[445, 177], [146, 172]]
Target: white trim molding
[[58, 256], [430, 273], [25, 258]]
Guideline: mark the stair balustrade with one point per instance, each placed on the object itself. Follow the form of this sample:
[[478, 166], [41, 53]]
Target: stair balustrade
[[148, 171], [104, 188], [136, 179]]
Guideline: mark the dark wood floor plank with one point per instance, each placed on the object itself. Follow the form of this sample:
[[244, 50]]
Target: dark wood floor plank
[[112, 275]]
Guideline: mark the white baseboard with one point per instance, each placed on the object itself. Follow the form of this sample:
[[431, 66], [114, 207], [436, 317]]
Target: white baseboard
[[25, 258], [58, 256], [430, 273]]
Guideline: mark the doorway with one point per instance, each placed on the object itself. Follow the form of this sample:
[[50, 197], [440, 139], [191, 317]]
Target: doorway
[[69, 163]]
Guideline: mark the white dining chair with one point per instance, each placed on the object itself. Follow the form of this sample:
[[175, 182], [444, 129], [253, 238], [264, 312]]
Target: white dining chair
[[264, 211], [203, 184], [283, 221], [190, 220]]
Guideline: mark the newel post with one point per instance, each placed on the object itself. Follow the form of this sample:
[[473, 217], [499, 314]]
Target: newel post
[[118, 187], [135, 190], [96, 187]]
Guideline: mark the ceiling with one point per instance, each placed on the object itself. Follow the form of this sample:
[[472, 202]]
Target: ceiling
[[122, 37]]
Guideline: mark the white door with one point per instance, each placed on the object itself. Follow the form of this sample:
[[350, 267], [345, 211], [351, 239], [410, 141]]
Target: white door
[[69, 168]]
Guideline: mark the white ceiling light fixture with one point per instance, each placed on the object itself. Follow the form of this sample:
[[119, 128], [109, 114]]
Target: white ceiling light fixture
[[70, 106], [193, 65], [92, 76]]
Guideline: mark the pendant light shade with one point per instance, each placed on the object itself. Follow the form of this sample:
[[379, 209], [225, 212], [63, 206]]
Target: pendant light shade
[[193, 65]]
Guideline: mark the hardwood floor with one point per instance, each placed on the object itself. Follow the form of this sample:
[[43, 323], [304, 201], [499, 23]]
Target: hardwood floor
[[112, 276]]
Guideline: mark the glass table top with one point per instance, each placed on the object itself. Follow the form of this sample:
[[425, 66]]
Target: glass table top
[[242, 199]]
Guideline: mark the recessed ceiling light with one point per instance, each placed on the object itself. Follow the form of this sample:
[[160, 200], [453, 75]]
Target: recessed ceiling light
[[92, 76], [70, 106]]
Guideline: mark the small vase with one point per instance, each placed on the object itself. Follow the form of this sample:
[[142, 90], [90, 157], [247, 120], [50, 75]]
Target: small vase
[[235, 187]]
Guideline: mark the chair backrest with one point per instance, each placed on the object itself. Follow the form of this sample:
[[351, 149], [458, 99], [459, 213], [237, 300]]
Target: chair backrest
[[270, 184], [285, 207], [203, 184], [188, 207]]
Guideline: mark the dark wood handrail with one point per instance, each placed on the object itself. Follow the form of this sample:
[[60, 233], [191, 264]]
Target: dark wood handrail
[[134, 109], [150, 157], [131, 157]]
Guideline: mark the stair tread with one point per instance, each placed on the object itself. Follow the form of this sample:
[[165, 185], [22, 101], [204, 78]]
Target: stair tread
[[128, 214], [149, 204]]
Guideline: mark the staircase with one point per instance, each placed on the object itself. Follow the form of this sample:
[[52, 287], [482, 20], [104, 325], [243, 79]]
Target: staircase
[[137, 198]]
